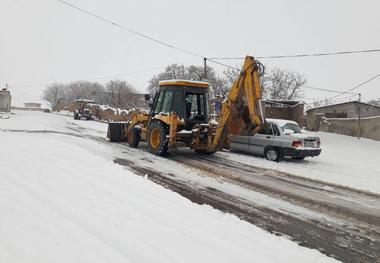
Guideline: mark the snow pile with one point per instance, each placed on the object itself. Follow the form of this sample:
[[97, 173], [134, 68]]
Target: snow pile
[[344, 160], [62, 199]]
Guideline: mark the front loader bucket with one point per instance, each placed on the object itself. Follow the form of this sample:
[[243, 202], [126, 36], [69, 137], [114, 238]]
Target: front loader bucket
[[116, 131]]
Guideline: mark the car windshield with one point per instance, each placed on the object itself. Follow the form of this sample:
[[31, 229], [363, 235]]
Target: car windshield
[[291, 127]]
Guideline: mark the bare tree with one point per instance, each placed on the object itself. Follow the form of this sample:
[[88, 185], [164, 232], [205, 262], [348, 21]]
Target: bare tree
[[121, 94], [279, 84], [173, 71], [54, 93], [229, 77], [195, 73], [117, 93]]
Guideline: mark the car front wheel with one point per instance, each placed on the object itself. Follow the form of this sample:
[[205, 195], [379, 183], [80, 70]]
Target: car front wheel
[[273, 154]]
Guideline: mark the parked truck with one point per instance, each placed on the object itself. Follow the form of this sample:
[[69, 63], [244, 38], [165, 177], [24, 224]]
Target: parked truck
[[81, 110]]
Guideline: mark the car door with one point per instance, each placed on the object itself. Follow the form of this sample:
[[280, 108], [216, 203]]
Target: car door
[[262, 139], [239, 143]]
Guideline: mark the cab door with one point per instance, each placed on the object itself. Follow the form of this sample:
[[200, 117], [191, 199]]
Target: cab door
[[262, 139]]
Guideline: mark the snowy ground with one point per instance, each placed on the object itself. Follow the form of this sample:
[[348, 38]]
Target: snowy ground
[[62, 199], [344, 160]]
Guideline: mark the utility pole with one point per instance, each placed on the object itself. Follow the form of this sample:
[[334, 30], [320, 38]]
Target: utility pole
[[205, 68], [359, 112]]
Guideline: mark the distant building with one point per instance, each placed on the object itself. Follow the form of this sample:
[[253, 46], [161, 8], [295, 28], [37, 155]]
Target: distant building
[[32, 105], [285, 109], [5, 100], [344, 110]]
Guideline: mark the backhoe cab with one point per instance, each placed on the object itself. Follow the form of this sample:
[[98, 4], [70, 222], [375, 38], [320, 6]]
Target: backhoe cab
[[188, 99], [179, 115]]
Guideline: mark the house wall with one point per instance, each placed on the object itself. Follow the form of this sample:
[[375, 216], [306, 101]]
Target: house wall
[[32, 105], [369, 127], [351, 109], [295, 113]]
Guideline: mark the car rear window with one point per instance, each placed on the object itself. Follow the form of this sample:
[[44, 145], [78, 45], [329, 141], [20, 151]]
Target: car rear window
[[291, 126]]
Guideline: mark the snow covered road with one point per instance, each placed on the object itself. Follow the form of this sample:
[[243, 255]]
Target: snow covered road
[[63, 198]]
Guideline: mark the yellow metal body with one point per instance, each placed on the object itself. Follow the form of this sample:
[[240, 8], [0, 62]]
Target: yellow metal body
[[244, 97], [241, 111]]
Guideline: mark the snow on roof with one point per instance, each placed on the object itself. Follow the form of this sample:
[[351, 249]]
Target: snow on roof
[[347, 102], [184, 82], [84, 100], [281, 122]]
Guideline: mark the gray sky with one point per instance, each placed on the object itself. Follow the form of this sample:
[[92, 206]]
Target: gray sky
[[43, 41]]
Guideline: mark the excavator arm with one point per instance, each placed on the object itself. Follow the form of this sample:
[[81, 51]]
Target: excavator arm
[[241, 111]]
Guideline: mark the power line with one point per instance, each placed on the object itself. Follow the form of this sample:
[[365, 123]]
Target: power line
[[306, 55], [329, 90], [213, 60], [357, 86], [129, 29], [141, 34], [102, 77], [222, 64]]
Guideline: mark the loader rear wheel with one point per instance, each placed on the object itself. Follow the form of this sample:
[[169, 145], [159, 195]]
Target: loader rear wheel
[[134, 137], [157, 141]]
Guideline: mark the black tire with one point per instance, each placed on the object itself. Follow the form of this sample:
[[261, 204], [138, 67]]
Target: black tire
[[298, 158], [158, 130], [75, 116], [272, 154], [134, 137], [115, 132]]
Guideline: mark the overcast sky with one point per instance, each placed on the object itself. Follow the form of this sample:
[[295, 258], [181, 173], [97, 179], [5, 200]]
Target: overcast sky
[[43, 41]]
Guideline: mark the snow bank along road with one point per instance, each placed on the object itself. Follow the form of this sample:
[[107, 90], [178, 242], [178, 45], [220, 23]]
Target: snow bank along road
[[338, 221]]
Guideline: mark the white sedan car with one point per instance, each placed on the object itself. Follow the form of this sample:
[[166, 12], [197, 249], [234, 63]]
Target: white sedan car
[[277, 139]]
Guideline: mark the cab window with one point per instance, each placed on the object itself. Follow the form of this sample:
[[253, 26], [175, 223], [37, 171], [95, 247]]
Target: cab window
[[167, 102], [178, 104], [195, 106], [157, 108], [164, 102]]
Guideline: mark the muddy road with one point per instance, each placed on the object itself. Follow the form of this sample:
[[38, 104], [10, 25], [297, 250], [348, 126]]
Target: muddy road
[[340, 222]]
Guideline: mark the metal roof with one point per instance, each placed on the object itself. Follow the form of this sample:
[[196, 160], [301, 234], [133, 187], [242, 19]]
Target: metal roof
[[348, 102], [181, 82]]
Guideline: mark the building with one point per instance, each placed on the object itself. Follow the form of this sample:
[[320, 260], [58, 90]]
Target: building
[[346, 110], [5, 100], [283, 109], [32, 105]]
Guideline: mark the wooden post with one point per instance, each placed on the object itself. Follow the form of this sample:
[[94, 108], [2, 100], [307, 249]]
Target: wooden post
[[359, 113], [205, 68]]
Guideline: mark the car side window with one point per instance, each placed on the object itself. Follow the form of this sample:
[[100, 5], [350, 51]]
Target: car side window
[[266, 129], [276, 131]]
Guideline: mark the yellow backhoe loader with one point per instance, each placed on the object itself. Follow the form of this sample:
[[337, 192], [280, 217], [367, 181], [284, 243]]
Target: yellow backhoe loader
[[179, 115]]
